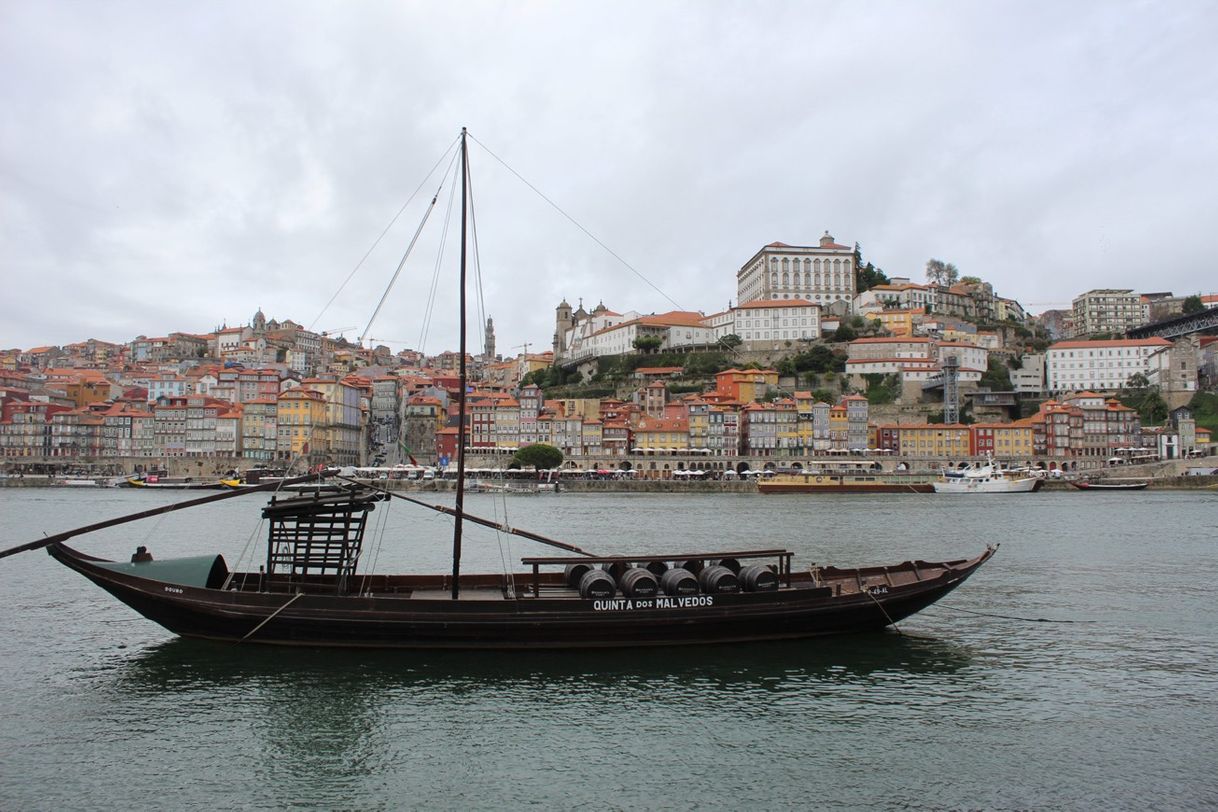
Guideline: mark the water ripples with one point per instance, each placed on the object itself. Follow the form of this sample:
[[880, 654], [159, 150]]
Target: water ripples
[[961, 711]]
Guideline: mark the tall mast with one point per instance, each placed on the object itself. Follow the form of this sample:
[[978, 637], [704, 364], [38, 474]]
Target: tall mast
[[461, 377]]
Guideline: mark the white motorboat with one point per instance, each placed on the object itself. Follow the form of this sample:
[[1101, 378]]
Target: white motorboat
[[987, 477]]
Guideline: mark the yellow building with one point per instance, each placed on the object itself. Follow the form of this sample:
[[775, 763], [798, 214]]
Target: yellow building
[[593, 440], [699, 421], [507, 423], [803, 427], [1003, 440], [338, 433], [839, 426], [661, 434], [530, 362], [934, 440], [301, 415], [586, 408], [898, 322]]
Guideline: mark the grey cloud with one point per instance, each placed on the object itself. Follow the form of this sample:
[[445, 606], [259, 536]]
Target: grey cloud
[[171, 167]]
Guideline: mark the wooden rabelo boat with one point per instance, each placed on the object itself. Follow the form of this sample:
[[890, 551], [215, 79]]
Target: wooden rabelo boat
[[311, 591], [1103, 485]]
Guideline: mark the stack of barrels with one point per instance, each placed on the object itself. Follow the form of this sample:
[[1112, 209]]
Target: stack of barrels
[[693, 577]]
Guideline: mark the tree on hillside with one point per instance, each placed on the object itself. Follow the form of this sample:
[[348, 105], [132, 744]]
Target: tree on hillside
[[844, 332], [997, 377], [970, 280], [866, 275], [648, 344], [539, 455], [869, 276], [1193, 304], [1139, 395], [704, 364], [1205, 410], [939, 272], [881, 388], [731, 341]]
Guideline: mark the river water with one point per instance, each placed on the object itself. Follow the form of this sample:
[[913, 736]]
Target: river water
[[1112, 707]]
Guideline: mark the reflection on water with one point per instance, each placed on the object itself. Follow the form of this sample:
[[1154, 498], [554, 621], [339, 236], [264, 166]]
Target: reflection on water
[[182, 665]]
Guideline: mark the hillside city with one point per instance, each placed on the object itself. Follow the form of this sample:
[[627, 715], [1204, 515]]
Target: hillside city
[[822, 355]]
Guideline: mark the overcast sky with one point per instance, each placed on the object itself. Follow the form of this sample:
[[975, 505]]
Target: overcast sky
[[175, 166]]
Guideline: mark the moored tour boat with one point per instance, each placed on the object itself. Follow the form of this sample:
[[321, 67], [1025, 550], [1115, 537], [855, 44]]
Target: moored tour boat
[[311, 590], [78, 482], [846, 483], [987, 477]]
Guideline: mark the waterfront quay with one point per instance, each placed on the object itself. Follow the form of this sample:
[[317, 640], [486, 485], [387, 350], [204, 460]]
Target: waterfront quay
[[638, 466], [1164, 476]]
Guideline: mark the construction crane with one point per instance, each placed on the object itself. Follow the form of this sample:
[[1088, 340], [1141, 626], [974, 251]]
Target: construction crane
[[340, 330]]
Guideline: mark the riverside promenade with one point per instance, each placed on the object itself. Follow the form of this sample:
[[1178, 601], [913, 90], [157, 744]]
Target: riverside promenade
[[660, 486]]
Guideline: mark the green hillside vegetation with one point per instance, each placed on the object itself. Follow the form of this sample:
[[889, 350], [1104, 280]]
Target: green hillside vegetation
[[882, 389], [1205, 410], [1144, 399], [818, 359], [997, 377]]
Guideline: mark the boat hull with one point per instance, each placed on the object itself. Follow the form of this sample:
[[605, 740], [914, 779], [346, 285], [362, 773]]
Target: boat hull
[[405, 621], [968, 485], [1110, 486], [828, 483], [217, 485]]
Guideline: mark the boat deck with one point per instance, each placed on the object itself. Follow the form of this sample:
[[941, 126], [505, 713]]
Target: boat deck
[[552, 586]]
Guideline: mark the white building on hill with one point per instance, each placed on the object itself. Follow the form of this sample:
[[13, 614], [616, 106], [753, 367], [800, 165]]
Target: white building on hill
[[823, 274], [1105, 366], [913, 358]]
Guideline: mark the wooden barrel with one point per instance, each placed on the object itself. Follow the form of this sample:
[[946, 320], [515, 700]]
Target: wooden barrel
[[616, 569], [758, 578], [732, 564], [657, 568], [597, 584], [679, 582], [693, 565], [717, 580], [574, 572], [637, 582]]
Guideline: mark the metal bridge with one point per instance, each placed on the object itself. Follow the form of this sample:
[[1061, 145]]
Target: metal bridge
[[1203, 322]]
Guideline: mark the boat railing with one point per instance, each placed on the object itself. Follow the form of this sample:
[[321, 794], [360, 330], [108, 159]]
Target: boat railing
[[783, 558]]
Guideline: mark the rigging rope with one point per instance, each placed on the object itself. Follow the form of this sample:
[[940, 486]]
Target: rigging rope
[[505, 557], [1009, 617], [377, 241], [402, 264], [480, 298], [577, 224], [272, 616], [435, 274], [734, 351], [240, 565], [378, 535], [891, 622]]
